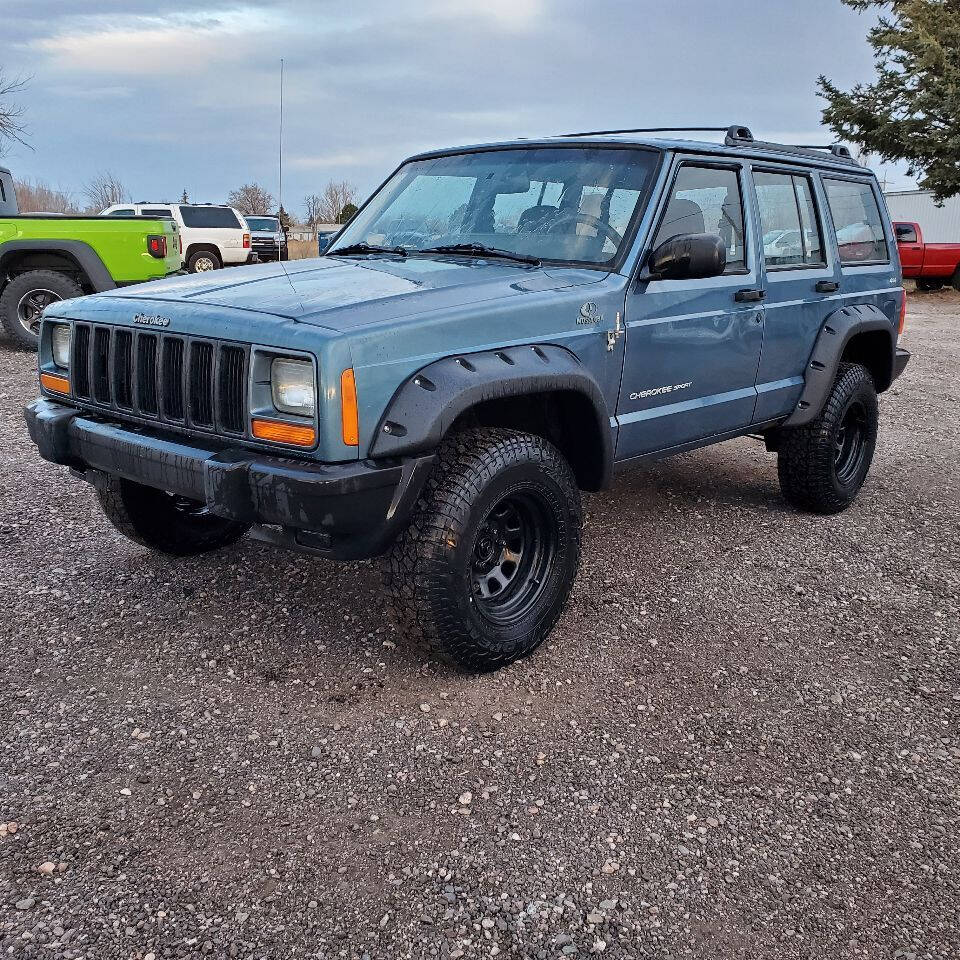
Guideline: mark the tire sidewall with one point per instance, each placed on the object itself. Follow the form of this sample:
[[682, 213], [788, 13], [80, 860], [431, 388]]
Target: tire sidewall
[[499, 640]]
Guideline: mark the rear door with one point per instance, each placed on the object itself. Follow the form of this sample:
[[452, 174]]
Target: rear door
[[692, 346], [801, 278]]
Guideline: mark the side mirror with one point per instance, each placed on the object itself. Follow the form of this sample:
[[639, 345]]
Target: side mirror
[[691, 256]]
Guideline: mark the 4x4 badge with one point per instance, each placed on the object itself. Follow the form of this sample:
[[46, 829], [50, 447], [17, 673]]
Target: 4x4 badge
[[589, 313]]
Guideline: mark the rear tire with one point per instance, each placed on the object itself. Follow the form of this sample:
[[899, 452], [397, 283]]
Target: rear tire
[[483, 570], [955, 280], [928, 286], [823, 464], [24, 298], [163, 521], [204, 260]]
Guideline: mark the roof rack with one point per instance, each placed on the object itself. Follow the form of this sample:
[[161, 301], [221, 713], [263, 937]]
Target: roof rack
[[597, 133], [735, 136]]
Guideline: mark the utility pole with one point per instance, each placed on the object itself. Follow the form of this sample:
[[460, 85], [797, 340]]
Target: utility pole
[[280, 156]]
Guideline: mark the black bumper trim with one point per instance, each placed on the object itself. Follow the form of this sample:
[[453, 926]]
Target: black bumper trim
[[900, 360], [343, 510]]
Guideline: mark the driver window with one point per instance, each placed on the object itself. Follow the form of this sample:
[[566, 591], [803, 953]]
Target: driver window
[[706, 200]]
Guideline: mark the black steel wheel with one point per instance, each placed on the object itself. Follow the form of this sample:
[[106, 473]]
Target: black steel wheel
[[513, 550]]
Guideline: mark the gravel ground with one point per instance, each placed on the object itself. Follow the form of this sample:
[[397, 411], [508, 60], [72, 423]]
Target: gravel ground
[[741, 742]]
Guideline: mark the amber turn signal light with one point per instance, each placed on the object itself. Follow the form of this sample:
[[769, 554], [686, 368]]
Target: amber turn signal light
[[284, 433], [349, 418], [54, 383]]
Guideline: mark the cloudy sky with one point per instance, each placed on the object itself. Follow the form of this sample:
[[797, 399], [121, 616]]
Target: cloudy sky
[[173, 101]]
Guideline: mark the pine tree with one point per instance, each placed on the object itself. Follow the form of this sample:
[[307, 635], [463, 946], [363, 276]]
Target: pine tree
[[911, 111], [184, 198]]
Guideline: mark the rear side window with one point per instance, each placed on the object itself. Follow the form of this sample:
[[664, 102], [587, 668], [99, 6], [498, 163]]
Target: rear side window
[[788, 218], [857, 220], [209, 217], [706, 200], [154, 211], [906, 233], [122, 213]]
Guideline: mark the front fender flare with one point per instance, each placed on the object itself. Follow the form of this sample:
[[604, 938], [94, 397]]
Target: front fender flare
[[425, 406], [838, 330]]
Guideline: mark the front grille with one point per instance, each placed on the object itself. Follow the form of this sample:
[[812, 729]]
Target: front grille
[[190, 382]]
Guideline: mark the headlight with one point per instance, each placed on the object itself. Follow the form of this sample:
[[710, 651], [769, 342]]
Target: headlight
[[292, 387], [60, 344]]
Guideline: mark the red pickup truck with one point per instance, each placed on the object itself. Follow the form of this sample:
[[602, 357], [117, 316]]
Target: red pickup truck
[[932, 265]]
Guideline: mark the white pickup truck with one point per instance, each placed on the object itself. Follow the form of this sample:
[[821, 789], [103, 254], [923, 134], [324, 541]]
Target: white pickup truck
[[213, 235]]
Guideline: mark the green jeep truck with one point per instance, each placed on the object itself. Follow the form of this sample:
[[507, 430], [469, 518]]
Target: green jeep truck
[[49, 257]]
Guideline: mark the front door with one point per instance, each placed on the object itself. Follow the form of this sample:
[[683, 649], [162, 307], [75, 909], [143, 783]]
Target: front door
[[692, 346]]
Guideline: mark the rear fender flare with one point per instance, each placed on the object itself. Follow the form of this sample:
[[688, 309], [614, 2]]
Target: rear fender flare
[[838, 330], [86, 258], [427, 403]]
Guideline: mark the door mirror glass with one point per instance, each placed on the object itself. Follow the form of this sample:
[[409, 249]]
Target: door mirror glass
[[691, 256]]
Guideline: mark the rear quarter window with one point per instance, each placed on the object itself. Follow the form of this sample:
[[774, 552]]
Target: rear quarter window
[[209, 217], [857, 221]]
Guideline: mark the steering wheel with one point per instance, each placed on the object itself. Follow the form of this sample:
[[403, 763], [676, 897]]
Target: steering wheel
[[590, 221]]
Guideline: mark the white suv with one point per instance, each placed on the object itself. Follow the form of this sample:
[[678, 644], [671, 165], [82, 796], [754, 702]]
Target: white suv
[[212, 235]]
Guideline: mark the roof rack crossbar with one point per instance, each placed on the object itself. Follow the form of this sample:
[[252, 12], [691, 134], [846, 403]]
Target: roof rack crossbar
[[597, 133]]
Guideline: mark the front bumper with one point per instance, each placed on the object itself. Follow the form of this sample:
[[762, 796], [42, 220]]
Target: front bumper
[[346, 511]]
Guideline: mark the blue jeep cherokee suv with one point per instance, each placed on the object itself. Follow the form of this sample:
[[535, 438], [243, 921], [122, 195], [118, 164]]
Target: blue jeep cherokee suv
[[498, 328]]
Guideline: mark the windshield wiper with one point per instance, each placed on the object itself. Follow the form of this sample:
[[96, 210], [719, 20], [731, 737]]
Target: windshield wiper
[[479, 250], [354, 248]]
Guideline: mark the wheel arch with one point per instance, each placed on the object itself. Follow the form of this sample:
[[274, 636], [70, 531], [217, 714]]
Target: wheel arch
[[202, 247], [539, 388], [862, 334], [21, 256]]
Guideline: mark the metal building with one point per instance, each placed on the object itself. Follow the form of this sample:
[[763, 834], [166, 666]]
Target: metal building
[[939, 224]]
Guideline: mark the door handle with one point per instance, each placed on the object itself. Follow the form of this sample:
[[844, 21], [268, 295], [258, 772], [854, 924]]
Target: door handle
[[750, 296], [827, 286]]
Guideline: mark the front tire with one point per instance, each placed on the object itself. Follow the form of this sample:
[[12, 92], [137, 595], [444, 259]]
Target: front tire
[[203, 260], [928, 286], [163, 521], [24, 299], [485, 567], [823, 465]]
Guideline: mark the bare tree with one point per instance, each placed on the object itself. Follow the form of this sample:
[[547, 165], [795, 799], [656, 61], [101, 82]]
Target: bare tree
[[251, 200], [103, 191], [37, 196], [312, 205], [336, 195], [11, 114]]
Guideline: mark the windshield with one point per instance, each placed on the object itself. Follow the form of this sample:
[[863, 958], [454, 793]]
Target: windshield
[[269, 224], [566, 204]]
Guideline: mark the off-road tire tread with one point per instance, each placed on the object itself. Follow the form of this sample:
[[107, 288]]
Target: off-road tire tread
[[177, 539], [805, 454], [11, 295], [415, 566]]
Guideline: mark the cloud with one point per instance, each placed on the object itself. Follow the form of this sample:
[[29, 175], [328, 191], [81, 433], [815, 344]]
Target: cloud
[[185, 99]]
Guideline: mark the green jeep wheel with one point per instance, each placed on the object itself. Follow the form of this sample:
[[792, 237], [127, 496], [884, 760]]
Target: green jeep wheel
[[24, 299]]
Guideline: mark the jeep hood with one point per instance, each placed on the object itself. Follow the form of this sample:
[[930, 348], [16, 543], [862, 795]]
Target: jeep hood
[[341, 293]]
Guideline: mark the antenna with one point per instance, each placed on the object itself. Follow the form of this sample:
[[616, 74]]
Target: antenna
[[280, 153]]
